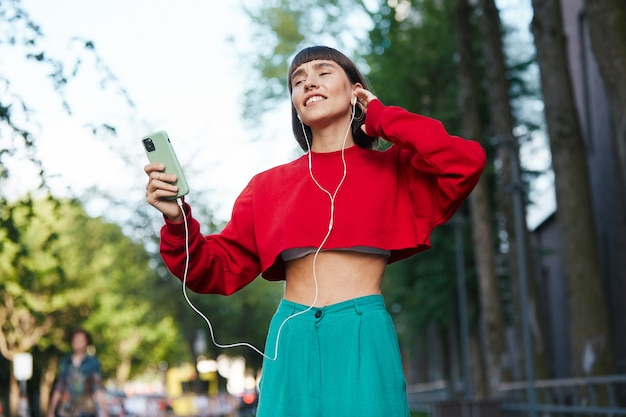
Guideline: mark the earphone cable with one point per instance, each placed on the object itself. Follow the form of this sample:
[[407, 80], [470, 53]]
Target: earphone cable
[[194, 308]]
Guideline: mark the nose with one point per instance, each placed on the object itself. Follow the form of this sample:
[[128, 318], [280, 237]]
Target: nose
[[309, 83]]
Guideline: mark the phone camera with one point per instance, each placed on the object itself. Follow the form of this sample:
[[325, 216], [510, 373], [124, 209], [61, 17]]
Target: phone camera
[[148, 144]]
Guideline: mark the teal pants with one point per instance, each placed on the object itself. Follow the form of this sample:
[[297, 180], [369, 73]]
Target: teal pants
[[337, 361]]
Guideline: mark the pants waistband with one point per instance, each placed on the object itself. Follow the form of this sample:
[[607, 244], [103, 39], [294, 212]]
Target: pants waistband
[[358, 305]]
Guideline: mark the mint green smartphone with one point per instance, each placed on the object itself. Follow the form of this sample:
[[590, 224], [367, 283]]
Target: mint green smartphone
[[159, 149]]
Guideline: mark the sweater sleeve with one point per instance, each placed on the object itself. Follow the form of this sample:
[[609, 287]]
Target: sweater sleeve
[[446, 168], [219, 263]]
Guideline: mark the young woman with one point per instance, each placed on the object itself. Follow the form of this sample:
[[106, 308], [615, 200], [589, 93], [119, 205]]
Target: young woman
[[327, 224]]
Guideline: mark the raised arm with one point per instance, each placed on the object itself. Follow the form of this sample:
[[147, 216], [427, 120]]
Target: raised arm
[[447, 168]]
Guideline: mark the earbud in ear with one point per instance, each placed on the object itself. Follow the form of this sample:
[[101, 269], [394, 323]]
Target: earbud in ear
[[353, 100]]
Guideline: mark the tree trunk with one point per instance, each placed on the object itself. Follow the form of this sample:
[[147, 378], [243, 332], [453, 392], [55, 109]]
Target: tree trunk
[[122, 371], [607, 29], [591, 345], [481, 213], [502, 123], [47, 383]]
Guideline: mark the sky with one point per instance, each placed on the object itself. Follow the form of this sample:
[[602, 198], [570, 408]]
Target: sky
[[181, 63]]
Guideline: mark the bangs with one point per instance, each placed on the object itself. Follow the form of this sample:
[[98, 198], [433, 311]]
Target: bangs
[[315, 53]]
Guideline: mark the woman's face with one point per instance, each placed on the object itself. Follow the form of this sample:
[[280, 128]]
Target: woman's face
[[321, 93], [79, 342]]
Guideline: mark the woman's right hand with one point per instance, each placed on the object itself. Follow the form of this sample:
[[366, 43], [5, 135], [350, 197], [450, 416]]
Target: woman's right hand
[[160, 185]]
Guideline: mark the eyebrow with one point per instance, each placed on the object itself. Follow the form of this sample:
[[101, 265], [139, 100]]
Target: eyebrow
[[315, 66]]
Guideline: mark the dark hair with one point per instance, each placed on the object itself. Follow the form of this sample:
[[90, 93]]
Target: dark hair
[[79, 330], [354, 76]]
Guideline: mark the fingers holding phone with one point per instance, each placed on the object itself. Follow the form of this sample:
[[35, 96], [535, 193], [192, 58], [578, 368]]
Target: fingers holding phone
[[160, 189], [166, 181]]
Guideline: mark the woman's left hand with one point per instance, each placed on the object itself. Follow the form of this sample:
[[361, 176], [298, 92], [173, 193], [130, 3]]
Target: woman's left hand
[[364, 97]]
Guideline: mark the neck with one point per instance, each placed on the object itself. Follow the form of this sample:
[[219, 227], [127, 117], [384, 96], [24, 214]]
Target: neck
[[333, 137], [77, 358]]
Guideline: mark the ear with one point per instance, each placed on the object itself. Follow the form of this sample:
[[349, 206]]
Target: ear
[[354, 87]]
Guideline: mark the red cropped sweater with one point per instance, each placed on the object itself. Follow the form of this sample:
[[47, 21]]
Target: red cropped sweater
[[390, 199]]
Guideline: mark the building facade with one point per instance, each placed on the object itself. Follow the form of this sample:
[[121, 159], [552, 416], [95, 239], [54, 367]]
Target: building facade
[[609, 205]]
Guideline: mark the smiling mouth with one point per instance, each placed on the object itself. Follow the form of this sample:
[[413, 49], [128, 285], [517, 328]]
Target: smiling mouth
[[313, 100]]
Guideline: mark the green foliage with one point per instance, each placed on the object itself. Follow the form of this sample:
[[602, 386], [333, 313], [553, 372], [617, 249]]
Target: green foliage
[[412, 59], [59, 267], [62, 268]]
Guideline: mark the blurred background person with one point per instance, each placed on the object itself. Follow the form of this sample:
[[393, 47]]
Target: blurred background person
[[78, 390]]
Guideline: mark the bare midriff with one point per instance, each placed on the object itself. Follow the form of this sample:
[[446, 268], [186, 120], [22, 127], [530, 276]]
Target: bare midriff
[[341, 276]]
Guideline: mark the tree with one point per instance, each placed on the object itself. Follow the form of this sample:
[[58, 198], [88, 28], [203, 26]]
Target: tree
[[21, 39], [480, 204], [144, 325], [511, 195], [66, 269], [586, 299]]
